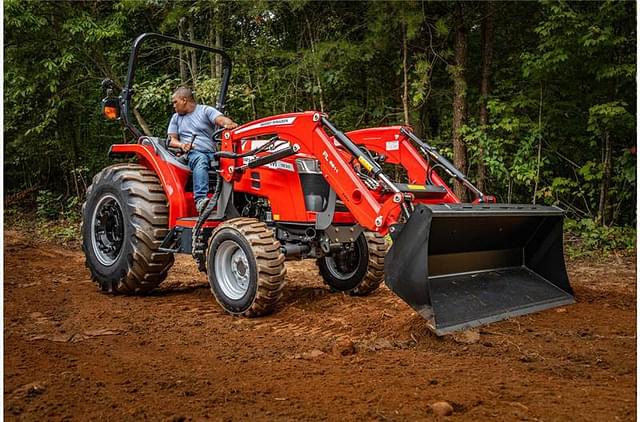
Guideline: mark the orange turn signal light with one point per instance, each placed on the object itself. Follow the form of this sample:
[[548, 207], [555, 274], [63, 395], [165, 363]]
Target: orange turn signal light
[[111, 108], [110, 112]]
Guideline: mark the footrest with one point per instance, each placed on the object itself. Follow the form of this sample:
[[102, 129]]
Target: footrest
[[171, 242]]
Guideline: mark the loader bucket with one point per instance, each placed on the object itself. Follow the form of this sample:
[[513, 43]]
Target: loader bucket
[[461, 266]]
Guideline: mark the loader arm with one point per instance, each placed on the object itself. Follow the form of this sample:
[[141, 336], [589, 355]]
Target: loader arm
[[307, 131]]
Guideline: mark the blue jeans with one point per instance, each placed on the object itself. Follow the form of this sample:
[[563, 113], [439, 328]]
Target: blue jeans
[[199, 164]]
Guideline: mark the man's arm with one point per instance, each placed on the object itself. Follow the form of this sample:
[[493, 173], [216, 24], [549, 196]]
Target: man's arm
[[175, 143], [225, 122], [174, 138]]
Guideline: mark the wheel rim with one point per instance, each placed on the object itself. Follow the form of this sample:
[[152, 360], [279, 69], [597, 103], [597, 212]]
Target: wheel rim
[[344, 265], [232, 270], [107, 235]]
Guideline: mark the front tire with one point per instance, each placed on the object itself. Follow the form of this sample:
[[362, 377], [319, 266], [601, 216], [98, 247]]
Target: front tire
[[360, 271], [245, 267], [124, 220]]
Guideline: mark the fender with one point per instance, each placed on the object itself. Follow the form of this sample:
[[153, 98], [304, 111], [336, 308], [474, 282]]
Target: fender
[[172, 178]]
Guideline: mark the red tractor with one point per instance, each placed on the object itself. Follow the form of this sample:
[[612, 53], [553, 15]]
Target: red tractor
[[293, 186]]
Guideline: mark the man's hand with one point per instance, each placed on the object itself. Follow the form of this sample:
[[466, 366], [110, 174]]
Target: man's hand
[[226, 122], [175, 143]]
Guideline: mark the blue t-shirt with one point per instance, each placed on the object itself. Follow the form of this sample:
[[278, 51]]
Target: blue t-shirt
[[200, 122]]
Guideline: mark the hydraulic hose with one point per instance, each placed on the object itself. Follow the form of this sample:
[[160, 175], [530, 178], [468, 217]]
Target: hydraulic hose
[[451, 170], [197, 251], [369, 164]]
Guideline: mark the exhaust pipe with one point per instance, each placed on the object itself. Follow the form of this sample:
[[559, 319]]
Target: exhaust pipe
[[461, 266]]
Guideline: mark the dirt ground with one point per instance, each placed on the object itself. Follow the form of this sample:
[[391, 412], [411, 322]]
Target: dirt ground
[[72, 352]]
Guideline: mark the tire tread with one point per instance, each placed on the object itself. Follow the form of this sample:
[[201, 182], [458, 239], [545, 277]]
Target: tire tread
[[269, 263], [148, 214]]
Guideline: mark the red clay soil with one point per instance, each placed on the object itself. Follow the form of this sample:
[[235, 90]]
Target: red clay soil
[[72, 352]]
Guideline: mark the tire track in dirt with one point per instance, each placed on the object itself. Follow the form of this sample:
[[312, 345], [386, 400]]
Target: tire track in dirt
[[174, 355]]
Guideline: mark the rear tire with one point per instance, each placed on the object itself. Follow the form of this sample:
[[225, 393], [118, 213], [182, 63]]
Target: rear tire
[[124, 220], [361, 271], [245, 267]]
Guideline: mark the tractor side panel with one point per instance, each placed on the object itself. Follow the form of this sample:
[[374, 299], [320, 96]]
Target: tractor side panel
[[279, 182]]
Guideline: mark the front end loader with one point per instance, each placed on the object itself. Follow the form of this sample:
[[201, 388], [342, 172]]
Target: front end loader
[[464, 265], [294, 186]]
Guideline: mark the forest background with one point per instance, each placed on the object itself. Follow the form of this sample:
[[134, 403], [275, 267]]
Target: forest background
[[535, 101]]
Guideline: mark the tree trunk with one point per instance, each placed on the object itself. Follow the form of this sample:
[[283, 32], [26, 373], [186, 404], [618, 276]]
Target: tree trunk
[[487, 31], [182, 63], [219, 45], [459, 100], [194, 57], [606, 180], [212, 36], [539, 160], [254, 110], [143, 124], [215, 36], [421, 128], [405, 74]]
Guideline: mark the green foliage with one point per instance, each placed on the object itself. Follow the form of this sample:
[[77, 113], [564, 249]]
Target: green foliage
[[585, 237], [51, 206], [609, 116], [64, 231], [563, 83]]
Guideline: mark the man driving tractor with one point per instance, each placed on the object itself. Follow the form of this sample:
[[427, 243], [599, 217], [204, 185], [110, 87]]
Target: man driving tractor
[[191, 129]]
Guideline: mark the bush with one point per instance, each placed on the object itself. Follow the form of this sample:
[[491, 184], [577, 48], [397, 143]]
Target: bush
[[51, 206], [586, 237], [48, 204]]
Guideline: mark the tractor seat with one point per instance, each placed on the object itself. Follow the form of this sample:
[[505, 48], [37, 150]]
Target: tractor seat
[[161, 150], [168, 154]]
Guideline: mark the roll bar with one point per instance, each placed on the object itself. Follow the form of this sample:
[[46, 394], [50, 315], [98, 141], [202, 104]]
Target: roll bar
[[127, 90]]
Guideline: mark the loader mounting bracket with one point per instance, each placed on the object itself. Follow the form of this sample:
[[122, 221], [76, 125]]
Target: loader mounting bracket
[[325, 217]]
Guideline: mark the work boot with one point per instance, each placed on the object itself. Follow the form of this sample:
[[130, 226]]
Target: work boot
[[201, 204]]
